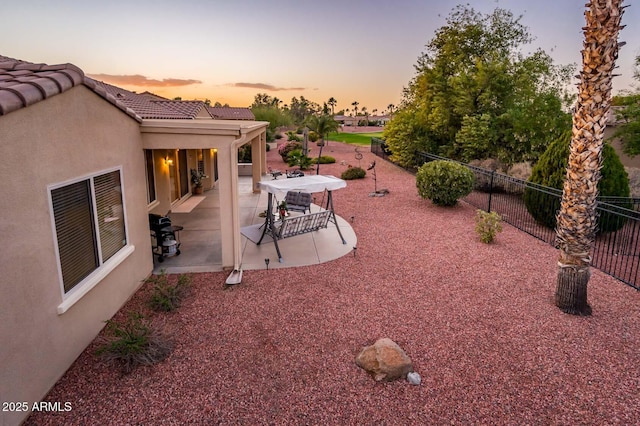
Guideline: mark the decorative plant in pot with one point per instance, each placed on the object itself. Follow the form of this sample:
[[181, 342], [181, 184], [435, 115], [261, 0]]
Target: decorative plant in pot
[[196, 180], [282, 208]]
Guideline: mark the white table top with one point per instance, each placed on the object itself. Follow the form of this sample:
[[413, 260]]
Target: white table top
[[308, 183]]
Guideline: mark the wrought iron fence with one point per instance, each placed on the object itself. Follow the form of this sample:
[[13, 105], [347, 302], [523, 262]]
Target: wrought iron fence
[[379, 148], [615, 252]]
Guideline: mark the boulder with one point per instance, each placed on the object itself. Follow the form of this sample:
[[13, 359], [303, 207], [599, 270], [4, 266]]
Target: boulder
[[385, 360]]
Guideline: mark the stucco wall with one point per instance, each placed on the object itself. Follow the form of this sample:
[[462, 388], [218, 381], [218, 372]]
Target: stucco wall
[[62, 138]]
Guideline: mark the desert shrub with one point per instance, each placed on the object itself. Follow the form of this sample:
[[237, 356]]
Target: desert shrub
[[487, 225], [268, 148], [133, 343], [167, 297], [293, 137], [278, 136], [551, 171], [285, 148], [297, 158], [300, 130], [313, 136], [444, 182], [353, 173], [325, 159]]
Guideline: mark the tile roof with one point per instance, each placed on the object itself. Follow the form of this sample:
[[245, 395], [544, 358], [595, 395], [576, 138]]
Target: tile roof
[[231, 113], [23, 83], [148, 105]]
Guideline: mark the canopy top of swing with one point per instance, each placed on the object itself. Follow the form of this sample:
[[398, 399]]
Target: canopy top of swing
[[310, 183]]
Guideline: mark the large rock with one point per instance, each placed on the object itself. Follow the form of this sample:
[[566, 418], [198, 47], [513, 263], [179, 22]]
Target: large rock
[[385, 360]]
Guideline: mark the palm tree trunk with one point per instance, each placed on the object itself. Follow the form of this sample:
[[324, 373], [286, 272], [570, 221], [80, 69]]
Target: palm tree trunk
[[576, 222]]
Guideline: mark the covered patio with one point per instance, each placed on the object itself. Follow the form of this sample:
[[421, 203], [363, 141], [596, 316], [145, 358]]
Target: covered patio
[[201, 238]]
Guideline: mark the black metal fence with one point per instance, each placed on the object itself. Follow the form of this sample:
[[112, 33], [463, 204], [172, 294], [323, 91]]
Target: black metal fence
[[616, 253], [379, 148]]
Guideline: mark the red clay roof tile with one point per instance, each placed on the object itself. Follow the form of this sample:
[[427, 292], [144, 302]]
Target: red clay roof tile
[[231, 113]]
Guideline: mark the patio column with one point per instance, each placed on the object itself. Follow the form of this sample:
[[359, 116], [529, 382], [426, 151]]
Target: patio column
[[263, 149], [228, 184], [258, 157]]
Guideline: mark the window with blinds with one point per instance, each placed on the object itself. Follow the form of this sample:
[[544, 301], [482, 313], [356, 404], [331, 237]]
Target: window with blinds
[[89, 224]]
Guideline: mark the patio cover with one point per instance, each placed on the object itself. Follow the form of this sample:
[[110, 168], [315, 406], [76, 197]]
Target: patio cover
[[311, 183]]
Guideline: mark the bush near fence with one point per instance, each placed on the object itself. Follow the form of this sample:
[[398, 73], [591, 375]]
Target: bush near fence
[[614, 253]]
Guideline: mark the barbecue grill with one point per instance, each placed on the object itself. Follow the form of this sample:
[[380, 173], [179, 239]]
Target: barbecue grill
[[165, 239]]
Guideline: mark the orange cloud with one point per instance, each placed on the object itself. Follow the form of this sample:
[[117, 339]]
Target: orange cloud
[[141, 80], [264, 86]]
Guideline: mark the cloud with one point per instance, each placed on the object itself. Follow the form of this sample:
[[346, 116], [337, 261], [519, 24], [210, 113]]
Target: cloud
[[268, 87], [141, 80]]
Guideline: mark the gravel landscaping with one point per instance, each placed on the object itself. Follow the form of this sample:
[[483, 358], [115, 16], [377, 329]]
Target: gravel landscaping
[[477, 320]]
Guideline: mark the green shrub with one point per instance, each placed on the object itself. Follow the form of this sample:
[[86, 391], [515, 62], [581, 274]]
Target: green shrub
[[286, 148], [136, 342], [166, 297], [293, 137], [297, 158], [313, 136], [353, 173], [325, 159], [551, 171], [278, 136], [488, 225], [444, 182]]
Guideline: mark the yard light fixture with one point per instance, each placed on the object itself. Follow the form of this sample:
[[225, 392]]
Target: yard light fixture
[[266, 262]]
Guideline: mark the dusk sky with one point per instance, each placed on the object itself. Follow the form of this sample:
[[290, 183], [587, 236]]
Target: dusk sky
[[228, 51]]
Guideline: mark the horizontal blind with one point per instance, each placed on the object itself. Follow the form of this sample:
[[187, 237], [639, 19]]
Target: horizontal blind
[[75, 232], [108, 191]]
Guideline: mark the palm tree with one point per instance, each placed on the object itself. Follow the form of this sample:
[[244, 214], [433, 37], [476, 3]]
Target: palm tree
[[366, 114], [355, 110], [576, 222], [391, 107], [332, 102], [322, 125]]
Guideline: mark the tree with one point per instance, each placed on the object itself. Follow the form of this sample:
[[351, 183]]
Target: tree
[[391, 107], [577, 218], [476, 95], [302, 108], [274, 115], [332, 103], [366, 114], [355, 109], [628, 114], [322, 125]]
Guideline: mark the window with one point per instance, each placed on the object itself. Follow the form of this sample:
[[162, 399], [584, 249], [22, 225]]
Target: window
[[89, 225], [151, 176]]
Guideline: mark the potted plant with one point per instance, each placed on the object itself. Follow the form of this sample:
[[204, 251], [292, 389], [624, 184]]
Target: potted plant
[[196, 180], [282, 208]]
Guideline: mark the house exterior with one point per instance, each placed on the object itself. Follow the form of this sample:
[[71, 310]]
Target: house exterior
[[83, 169]]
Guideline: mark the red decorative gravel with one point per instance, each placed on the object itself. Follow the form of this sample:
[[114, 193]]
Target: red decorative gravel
[[477, 320]]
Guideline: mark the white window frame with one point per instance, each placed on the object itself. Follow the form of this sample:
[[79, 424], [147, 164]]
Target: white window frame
[[105, 267]]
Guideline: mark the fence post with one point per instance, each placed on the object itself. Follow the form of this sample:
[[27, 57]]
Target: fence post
[[490, 190]]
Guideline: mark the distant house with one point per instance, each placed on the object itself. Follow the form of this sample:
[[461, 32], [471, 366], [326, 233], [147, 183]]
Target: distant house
[[84, 164], [349, 120]]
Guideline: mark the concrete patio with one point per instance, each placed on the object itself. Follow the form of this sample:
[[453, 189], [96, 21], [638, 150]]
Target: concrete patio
[[201, 238]]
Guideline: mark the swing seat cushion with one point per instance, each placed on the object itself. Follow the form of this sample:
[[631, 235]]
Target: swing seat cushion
[[298, 201]]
